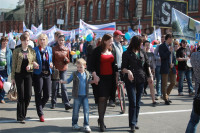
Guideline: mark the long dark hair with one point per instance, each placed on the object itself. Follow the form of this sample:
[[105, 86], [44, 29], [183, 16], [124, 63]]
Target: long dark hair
[[135, 43], [106, 37]]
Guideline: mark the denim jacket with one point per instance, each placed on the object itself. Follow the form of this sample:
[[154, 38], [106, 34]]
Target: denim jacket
[[8, 59], [39, 60], [76, 83]]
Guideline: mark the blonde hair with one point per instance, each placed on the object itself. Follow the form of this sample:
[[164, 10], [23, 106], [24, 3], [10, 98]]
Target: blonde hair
[[42, 36], [81, 61]]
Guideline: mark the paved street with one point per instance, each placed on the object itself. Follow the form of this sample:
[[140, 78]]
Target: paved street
[[160, 119]]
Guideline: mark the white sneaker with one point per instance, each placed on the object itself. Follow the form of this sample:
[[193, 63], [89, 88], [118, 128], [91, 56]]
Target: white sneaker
[[76, 127], [87, 129]]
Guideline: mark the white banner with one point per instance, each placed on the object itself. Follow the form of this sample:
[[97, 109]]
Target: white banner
[[100, 30]]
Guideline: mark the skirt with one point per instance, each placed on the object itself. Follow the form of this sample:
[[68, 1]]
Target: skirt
[[105, 86]]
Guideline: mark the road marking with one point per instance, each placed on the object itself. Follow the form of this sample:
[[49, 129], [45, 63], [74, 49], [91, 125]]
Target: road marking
[[108, 116]]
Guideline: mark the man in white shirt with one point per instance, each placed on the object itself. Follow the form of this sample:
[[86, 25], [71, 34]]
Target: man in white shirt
[[12, 44]]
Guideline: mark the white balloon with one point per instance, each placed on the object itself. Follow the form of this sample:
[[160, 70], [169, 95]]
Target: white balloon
[[6, 86]]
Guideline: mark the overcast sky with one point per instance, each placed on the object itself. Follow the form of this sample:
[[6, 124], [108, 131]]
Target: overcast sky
[[8, 4]]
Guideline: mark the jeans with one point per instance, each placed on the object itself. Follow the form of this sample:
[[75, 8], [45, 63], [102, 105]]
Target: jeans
[[182, 74], [81, 100], [5, 76], [63, 76], [192, 125], [134, 92], [42, 87], [158, 80]]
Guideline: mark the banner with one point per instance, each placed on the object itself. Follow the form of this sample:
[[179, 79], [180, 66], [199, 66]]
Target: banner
[[24, 27], [156, 35], [33, 29], [132, 33], [184, 26], [100, 30], [162, 11]]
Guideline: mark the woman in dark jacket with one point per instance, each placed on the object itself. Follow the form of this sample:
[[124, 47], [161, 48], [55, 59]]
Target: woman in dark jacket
[[104, 67], [135, 67]]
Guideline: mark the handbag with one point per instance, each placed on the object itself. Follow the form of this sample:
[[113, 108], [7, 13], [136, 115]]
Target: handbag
[[196, 102], [55, 76], [12, 93]]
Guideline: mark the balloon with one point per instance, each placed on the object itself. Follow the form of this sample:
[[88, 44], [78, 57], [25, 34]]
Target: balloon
[[78, 52], [88, 32], [73, 53], [6, 86], [149, 39], [128, 36], [84, 37], [89, 38]]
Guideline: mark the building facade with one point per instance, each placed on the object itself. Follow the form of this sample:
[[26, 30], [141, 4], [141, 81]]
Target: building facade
[[12, 20], [54, 10], [126, 13], [33, 12]]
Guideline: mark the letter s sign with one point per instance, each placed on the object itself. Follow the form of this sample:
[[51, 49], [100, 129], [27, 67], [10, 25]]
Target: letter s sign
[[167, 14]]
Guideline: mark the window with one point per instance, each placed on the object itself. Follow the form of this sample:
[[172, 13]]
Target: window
[[71, 14], [61, 13], [107, 9], [116, 9], [193, 5], [51, 18], [79, 12], [149, 7], [46, 17], [126, 7], [90, 12], [99, 10]]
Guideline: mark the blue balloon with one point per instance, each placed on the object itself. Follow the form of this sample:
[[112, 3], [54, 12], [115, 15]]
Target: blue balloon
[[89, 37], [128, 36], [149, 39]]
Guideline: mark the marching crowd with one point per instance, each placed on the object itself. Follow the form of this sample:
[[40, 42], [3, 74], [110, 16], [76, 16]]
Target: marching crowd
[[140, 62]]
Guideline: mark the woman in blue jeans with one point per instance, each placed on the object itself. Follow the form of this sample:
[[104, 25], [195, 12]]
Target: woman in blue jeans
[[5, 63], [135, 66], [60, 60]]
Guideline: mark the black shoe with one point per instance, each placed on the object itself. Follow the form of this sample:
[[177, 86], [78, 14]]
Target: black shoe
[[170, 101], [133, 129], [136, 127], [145, 92], [67, 107], [53, 106], [167, 103], [154, 104], [59, 95]]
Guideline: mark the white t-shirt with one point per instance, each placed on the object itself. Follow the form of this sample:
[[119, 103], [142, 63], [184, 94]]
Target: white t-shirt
[[12, 44]]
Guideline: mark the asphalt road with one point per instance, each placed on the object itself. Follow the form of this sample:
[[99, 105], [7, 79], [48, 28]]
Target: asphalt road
[[161, 119]]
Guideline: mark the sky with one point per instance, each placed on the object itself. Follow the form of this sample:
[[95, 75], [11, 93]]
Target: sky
[[8, 4]]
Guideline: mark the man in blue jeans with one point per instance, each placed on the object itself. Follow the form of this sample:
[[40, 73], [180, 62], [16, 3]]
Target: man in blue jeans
[[194, 118], [182, 56]]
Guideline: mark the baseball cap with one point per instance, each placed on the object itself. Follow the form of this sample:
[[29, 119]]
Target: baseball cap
[[118, 32]]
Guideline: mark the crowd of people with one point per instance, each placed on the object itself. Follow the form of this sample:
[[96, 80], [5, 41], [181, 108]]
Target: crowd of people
[[137, 61]]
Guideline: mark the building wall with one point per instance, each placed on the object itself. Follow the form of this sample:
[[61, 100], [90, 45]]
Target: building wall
[[54, 7], [33, 12], [8, 26]]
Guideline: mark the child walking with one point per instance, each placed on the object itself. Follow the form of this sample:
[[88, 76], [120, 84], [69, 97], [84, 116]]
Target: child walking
[[81, 80]]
